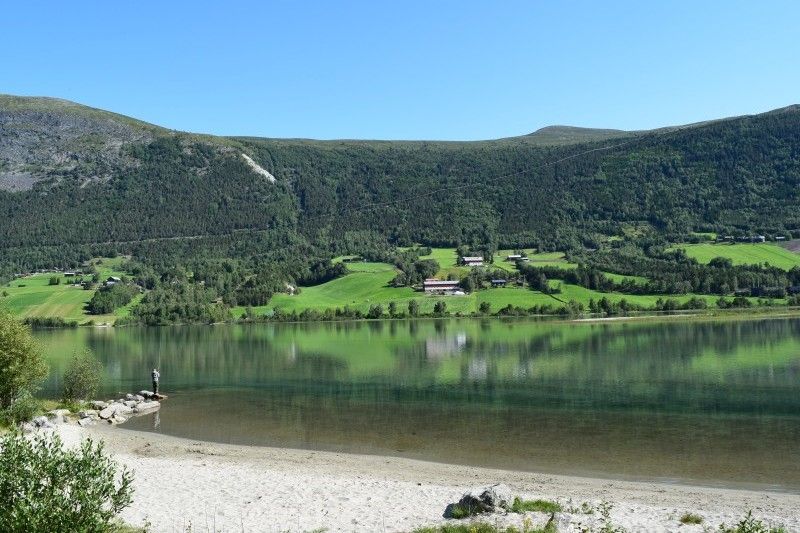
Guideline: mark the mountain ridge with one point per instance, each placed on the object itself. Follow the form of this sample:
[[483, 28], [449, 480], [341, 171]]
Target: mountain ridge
[[84, 177]]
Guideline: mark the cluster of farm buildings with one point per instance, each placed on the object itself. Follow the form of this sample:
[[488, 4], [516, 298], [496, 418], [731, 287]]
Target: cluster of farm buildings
[[452, 287]]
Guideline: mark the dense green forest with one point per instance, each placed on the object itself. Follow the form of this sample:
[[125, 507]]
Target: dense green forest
[[191, 211]]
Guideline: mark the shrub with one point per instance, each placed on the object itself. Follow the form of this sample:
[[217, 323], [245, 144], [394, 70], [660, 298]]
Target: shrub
[[22, 366], [82, 377], [23, 409], [49, 322], [45, 487], [54, 280], [750, 525], [439, 308]]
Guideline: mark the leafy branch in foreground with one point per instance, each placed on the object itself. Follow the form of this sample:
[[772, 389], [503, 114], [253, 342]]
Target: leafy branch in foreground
[[47, 487]]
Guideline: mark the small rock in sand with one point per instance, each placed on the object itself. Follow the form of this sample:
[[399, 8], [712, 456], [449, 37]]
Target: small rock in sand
[[486, 500]]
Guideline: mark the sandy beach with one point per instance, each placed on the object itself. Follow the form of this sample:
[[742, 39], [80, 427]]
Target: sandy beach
[[184, 485]]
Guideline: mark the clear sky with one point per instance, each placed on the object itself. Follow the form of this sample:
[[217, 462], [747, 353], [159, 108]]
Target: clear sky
[[430, 69]]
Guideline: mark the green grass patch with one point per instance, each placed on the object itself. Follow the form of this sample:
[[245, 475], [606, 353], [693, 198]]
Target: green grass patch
[[539, 506], [485, 527], [33, 296], [691, 518], [743, 254]]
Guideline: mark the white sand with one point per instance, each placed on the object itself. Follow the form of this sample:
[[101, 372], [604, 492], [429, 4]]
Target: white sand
[[211, 487]]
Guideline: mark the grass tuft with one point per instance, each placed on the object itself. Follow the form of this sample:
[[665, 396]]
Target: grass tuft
[[691, 518], [540, 506]]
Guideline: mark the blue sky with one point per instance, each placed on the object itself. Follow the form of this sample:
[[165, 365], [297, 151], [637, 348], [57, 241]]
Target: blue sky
[[406, 69]]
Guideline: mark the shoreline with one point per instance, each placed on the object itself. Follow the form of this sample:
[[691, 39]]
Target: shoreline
[[222, 487], [756, 313]]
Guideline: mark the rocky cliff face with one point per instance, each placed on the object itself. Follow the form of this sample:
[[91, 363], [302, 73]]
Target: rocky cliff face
[[46, 139]]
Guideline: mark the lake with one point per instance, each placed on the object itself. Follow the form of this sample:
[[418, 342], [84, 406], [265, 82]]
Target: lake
[[714, 403]]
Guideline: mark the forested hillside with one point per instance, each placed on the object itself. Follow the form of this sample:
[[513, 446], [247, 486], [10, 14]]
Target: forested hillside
[[77, 183]]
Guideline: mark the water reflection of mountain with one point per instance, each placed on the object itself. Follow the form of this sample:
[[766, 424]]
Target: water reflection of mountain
[[747, 366]]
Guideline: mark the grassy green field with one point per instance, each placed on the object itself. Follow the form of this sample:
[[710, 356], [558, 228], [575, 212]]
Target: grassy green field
[[743, 254], [368, 284], [447, 259], [33, 296]]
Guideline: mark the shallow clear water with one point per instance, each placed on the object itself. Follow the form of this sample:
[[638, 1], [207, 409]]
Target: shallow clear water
[[707, 402]]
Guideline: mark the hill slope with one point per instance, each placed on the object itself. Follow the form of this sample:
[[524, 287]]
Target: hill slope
[[75, 177]]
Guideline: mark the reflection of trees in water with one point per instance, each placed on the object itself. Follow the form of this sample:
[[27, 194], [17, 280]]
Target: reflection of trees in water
[[643, 351], [652, 365]]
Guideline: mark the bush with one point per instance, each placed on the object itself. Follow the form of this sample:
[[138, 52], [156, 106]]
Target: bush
[[45, 487], [54, 280], [49, 322], [82, 377], [750, 525], [22, 366], [23, 409]]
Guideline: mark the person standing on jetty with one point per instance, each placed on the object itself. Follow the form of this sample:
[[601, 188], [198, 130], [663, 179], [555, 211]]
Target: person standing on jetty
[[156, 376]]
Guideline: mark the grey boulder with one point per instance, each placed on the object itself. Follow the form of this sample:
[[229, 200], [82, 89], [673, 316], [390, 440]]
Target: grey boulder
[[115, 409], [145, 407]]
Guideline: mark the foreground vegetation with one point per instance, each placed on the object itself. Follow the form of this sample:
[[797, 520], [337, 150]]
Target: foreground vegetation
[[43, 485]]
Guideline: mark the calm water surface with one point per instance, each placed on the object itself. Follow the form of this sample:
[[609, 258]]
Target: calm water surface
[[707, 402]]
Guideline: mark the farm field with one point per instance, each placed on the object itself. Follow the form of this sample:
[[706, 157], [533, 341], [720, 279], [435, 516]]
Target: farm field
[[743, 254], [368, 284], [447, 259], [33, 296]]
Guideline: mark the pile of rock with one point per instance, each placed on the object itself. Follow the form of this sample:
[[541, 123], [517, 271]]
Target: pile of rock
[[111, 412], [119, 410]]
